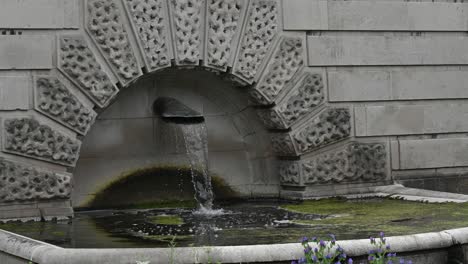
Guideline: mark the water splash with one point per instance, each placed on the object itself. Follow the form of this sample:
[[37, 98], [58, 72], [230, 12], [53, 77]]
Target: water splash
[[196, 144]]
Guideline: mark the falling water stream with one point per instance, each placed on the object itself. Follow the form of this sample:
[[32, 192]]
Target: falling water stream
[[195, 138]]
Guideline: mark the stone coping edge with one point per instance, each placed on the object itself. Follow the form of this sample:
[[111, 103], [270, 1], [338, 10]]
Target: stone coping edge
[[44, 253]]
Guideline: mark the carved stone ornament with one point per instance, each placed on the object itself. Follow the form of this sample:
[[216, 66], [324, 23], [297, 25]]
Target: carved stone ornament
[[305, 97], [19, 183], [27, 137], [79, 64], [187, 21], [261, 29], [223, 22], [148, 17], [356, 162], [106, 28], [55, 100], [286, 62]]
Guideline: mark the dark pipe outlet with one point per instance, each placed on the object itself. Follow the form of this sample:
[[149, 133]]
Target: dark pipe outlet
[[172, 110]]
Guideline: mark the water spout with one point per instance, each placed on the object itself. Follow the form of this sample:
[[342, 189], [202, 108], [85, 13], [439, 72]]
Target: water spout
[[172, 110], [192, 124]]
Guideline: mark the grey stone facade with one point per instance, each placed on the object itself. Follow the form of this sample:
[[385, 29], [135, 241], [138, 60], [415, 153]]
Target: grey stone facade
[[366, 93]]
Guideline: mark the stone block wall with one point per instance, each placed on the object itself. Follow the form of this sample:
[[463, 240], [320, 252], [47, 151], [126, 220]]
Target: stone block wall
[[354, 93]]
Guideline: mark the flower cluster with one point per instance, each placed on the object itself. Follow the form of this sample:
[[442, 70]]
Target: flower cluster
[[382, 254], [322, 253]]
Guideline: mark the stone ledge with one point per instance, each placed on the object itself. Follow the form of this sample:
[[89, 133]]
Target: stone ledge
[[40, 252]]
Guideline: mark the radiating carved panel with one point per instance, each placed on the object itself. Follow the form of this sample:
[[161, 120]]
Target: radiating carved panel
[[187, 21], [290, 173], [286, 61], [19, 182], [223, 21], [78, 62], [283, 144], [305, 98], [328, 127], [105, 25], [27, 137], [150, 23], [355, 162], [271, 119], [54, 99], [261, 29]]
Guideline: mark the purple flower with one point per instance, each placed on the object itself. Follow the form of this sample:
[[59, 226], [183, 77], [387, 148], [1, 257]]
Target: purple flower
[[389, 262], [304, 240], [402, 261], [371, 251], [314, 258], [307, 250], [314, 239], [293, 262], [315, 250], [370, 258], [372, 240], [387, 247], [350, 261], [328, 256], [382, 234], [322, 243], [302, 261], [343, 255], [339, 249], [409, 262]]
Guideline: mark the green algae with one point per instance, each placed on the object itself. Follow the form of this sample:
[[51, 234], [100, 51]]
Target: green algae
[[395, 217], [166, 220], [166, 239]]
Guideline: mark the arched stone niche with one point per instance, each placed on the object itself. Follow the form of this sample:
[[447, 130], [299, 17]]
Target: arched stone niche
[[125, 41]]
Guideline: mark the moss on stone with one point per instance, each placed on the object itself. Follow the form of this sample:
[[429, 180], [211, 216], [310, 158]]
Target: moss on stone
[[166, 220], [395, 217], [154, 187]]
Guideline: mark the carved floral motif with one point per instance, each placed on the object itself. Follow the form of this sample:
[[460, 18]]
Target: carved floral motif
[[262, 27], [78, 62], [150, 24], [106, 27], [286, 62], [55, 100], [27, 137], [223, 22], [187, 20], [19, 182]]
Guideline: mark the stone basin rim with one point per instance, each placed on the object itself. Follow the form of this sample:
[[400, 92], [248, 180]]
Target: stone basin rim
[[41, 252]]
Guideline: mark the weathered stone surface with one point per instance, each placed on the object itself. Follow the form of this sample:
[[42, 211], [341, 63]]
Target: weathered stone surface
[[305, 15], [105, 24], [290, 173], [355, 162], [187, 20], [15, 92], [397, 83], [150, 23], [305, 97], [331, 125], [26, 52], [54, 99], [375, 15], [434, 117], [387, 50], [19, 182], [39, 14], [261, 29], [432, 153], [223, 22], [27, 137], [288, 58], [78, 62]]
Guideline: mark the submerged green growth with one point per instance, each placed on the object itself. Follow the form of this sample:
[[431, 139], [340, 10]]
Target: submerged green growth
[[166, 239], [395, 217], [166, 220]]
